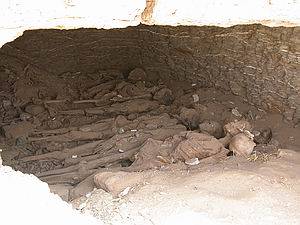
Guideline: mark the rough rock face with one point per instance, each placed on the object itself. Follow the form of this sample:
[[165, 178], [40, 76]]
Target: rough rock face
[[259, 63], [256, 62], [82, 50], [17, 16]]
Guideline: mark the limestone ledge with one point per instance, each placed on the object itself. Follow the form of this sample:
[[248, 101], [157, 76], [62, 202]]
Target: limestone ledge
[[16, 16]]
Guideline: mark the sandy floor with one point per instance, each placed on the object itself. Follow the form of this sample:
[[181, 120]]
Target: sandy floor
[[234, 192]]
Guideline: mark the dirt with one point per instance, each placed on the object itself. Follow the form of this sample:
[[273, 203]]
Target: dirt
[[235, 191]]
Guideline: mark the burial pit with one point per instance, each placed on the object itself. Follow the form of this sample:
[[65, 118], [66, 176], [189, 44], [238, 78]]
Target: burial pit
[[154, 98]]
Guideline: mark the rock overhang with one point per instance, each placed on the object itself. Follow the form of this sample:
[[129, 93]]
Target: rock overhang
[[17, 15]]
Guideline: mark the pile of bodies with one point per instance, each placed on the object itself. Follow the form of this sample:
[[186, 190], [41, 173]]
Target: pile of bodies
[[66, 132]]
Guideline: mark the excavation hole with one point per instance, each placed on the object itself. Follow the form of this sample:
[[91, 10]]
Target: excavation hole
[[74, 102]]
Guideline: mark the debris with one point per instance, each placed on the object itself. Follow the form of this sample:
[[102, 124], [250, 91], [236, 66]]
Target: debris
[[82, 206], [236, 112], [192, 162], [124, 192], [196, 98]]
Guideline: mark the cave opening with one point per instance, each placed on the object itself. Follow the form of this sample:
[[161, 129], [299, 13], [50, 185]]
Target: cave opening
[[76, 102]]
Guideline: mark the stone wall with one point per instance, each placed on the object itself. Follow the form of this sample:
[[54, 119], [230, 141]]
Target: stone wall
[[76, 51], [259, 63]]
